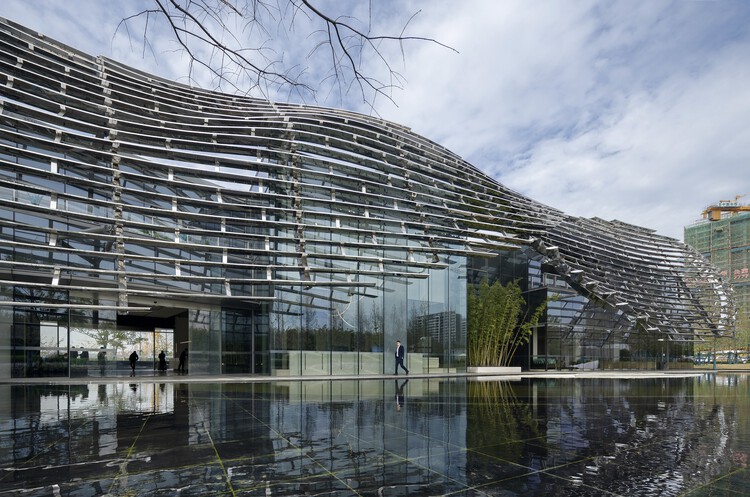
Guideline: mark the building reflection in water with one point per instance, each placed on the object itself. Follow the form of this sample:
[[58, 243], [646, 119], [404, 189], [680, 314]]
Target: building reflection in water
[[539, 436]]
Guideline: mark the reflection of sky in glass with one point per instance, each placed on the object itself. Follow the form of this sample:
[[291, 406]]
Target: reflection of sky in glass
[[245, 171]]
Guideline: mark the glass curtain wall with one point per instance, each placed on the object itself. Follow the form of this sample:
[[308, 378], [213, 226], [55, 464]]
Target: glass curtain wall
[[395, 305], [238, 341], [420, 313], [457, 307], [371, 323], [205, 344], [77, 343]]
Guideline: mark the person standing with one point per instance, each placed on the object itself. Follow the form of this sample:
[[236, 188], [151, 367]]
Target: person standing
[[162, 361], [133, 360], [101, 357], [400, 354], [183, 358]]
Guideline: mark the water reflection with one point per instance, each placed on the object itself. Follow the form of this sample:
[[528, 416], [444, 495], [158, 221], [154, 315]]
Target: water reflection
[[553, 436]]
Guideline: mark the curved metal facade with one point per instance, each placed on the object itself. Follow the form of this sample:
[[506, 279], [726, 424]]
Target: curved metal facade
[[125, 195]]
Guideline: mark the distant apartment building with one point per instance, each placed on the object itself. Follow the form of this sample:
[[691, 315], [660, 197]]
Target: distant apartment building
[[722, 235]]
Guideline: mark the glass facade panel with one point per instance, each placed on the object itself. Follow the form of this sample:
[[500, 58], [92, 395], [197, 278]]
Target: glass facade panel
[[371, 324], [455, 358], [395, 321]]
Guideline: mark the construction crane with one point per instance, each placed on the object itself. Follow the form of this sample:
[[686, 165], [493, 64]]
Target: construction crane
[[714, 211]]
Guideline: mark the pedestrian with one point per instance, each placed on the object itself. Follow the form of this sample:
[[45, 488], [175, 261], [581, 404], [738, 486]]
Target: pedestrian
[[162, 361], [101, 357], [183, 358], [133, 360], [400, 354]]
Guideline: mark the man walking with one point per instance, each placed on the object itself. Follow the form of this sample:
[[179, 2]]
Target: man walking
[[133, 359], [400, 353]]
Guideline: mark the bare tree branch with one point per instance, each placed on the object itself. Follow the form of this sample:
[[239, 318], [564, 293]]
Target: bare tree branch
[[232, 42]]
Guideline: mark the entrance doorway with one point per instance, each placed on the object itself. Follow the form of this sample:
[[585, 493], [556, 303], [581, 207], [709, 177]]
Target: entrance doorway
[[146, 343], [162, 329]]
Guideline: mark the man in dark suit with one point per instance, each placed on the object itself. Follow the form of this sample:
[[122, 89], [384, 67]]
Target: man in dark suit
[[400, 353]]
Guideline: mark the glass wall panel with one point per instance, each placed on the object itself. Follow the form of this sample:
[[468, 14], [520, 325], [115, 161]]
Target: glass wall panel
[[316, 331], [237, 342], [286, 333], [345, 302], [94, 340], [204, 356], [421, 319], [39, 335], [6, 349], [439, 323], [53, 347], [345, 331], [261, 341], [371, 324], [394, 320], [456, 355]]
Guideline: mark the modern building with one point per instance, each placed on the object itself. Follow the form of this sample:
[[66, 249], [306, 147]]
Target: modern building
[[279, 239], [722, 236]]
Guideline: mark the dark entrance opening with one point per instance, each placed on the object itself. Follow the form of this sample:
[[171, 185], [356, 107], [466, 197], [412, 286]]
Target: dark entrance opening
[[158, 321]]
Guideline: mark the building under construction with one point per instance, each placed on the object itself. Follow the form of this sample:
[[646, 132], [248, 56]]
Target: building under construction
[[723, 237]]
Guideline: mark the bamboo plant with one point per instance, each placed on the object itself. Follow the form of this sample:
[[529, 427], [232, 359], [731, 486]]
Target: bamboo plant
[[496, 322]]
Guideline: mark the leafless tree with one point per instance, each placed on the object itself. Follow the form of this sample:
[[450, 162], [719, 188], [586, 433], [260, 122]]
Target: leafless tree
[[251, 46]]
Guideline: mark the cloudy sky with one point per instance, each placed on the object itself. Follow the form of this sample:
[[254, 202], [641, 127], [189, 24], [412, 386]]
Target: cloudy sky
[[624, 109]]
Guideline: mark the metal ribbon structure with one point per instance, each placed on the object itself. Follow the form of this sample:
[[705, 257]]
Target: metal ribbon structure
[[152, 189]]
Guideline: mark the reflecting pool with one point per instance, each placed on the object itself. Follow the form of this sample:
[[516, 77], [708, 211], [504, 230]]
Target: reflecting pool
[[437, 436]]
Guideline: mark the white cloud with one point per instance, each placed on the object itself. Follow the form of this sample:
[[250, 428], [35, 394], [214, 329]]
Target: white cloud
[[658, 155], [633, 111]]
